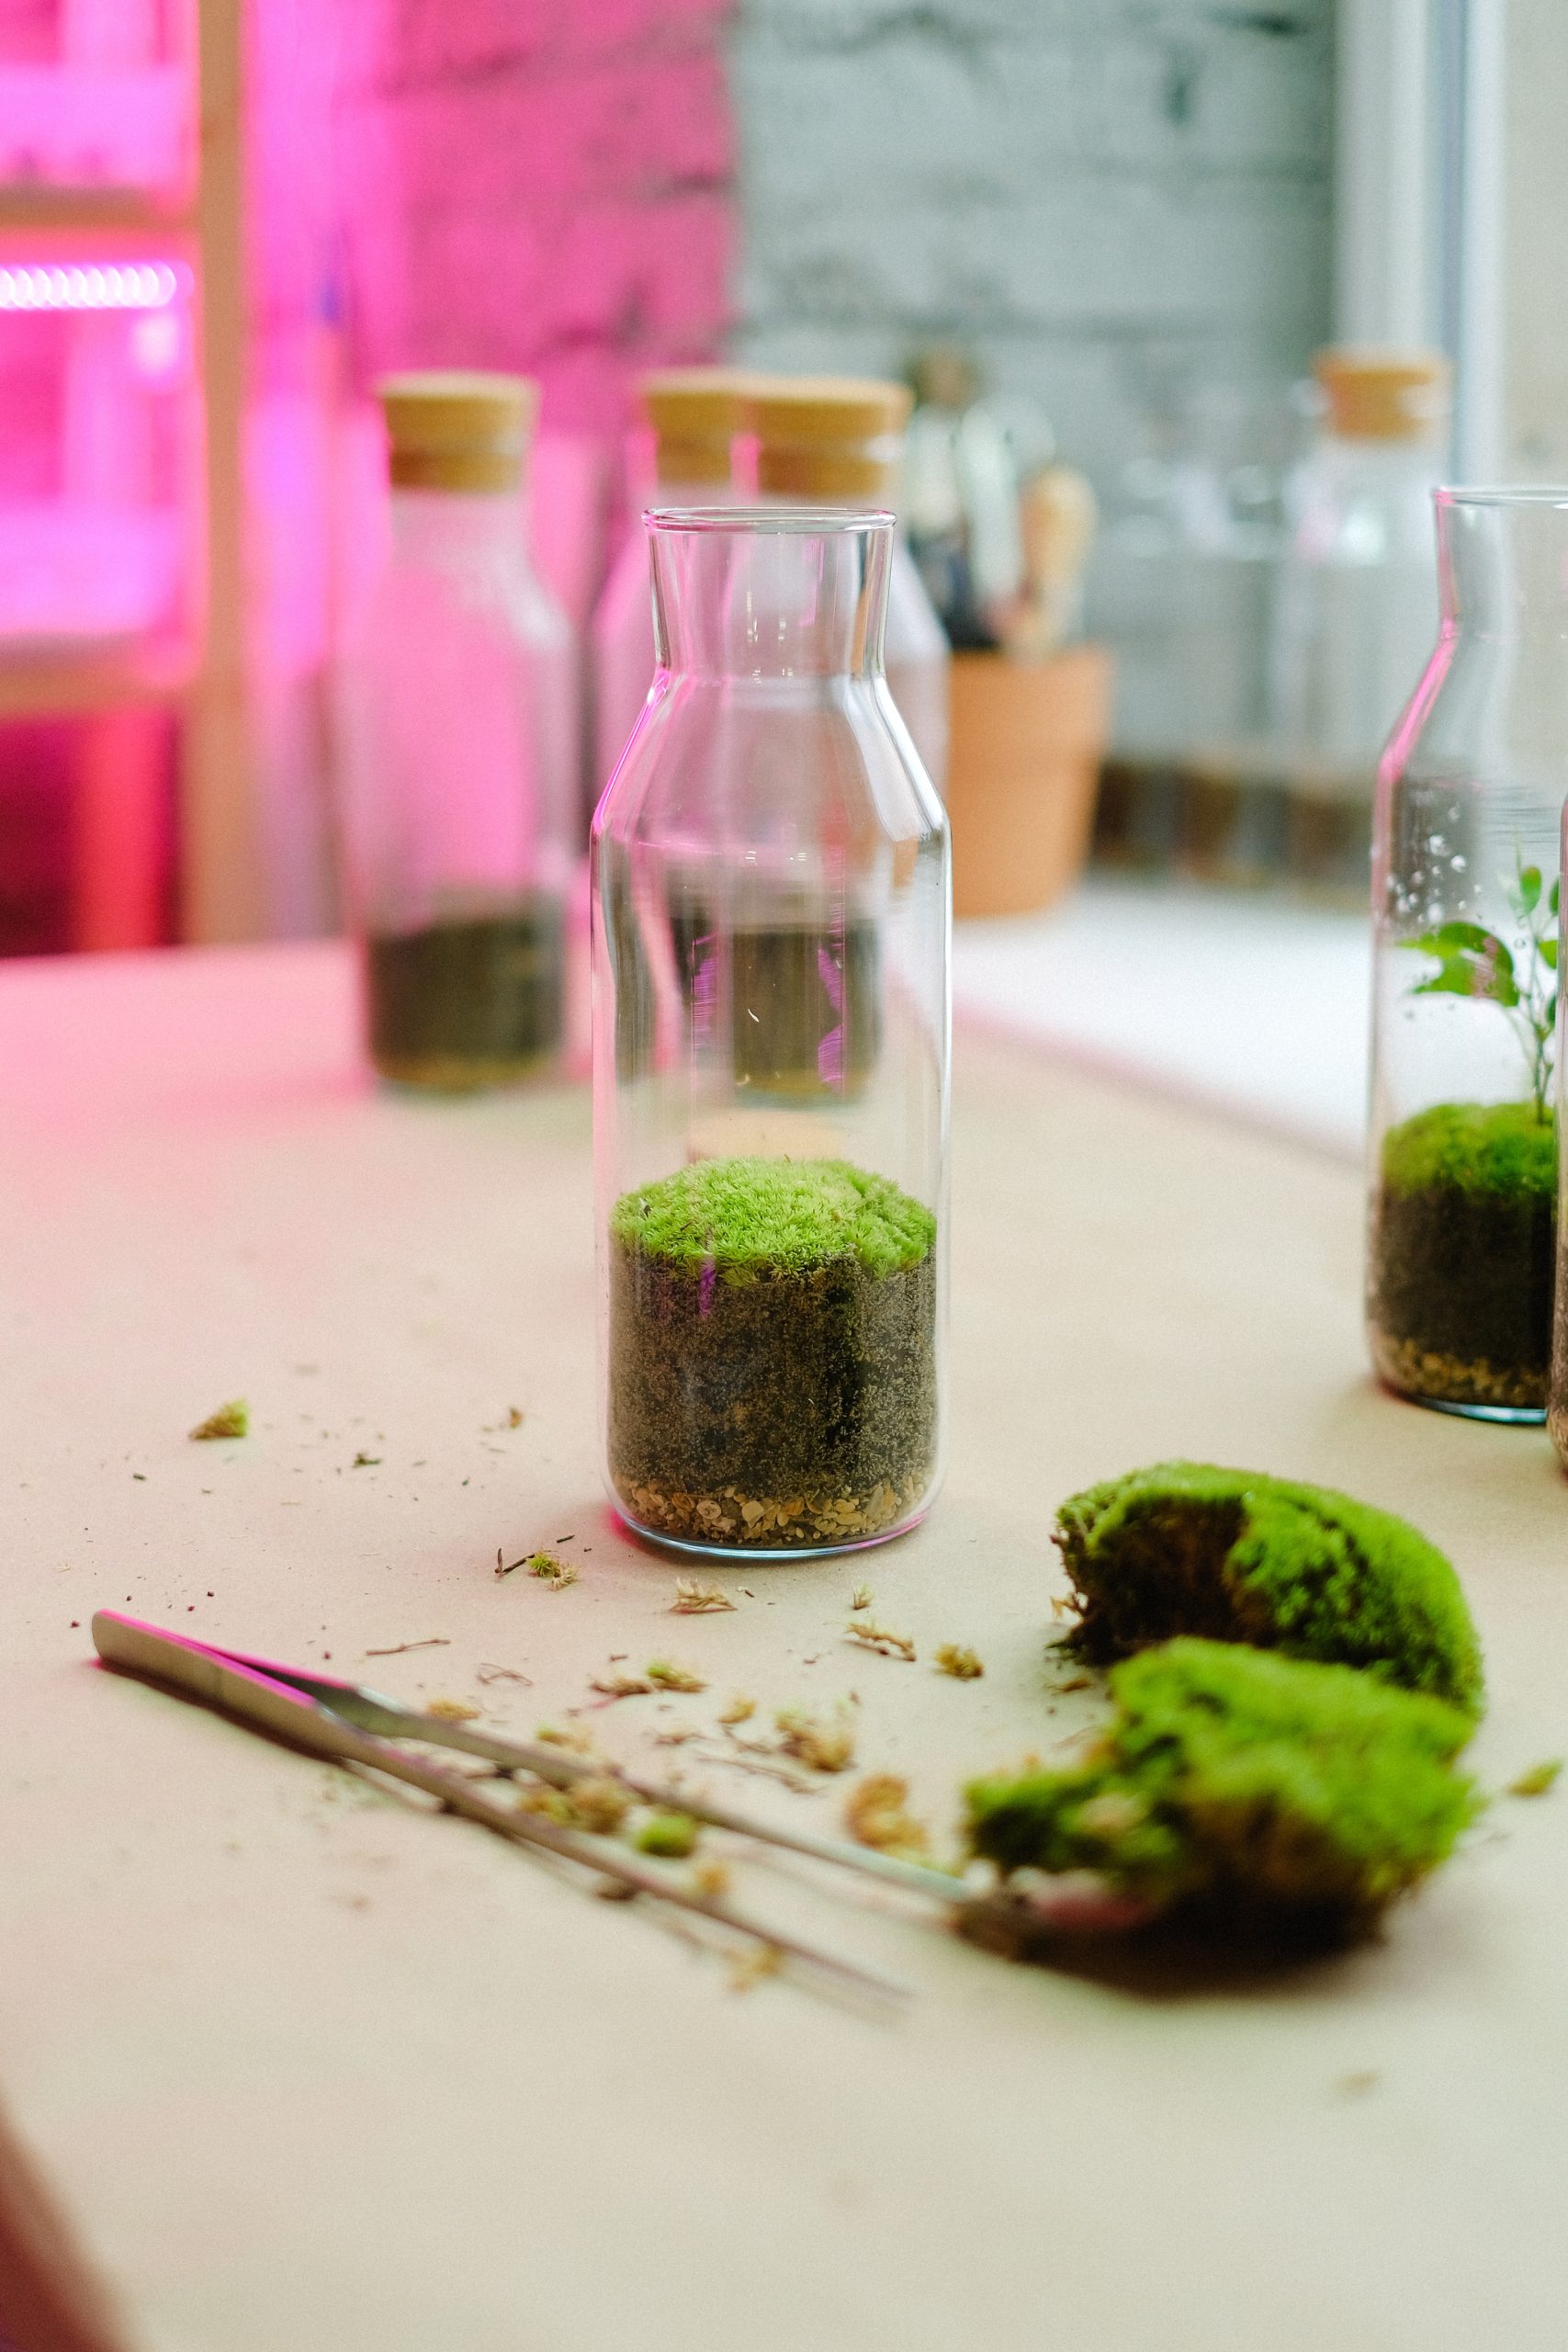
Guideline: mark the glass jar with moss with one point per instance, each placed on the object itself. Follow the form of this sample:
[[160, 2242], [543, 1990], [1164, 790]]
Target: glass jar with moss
[[1465, 897], [771, 916], [459, 772]]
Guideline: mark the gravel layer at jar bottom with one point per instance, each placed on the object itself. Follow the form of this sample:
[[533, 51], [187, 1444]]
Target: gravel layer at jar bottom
[[469, 1003], [1462, 1258], [780, 1400]]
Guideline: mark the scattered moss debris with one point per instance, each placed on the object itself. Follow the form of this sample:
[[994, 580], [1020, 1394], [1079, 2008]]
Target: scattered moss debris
[[1234, 1556], [621, 1685], [873, 1637], [822, 1747], [693, 1600], [1540, 1780], [1257, 1790], [598, 1803], [739, 1710], [876, 1813], [574, 1740], [665, 1676], [487, 1673], [671, 1836], [754, 1966], [365, 1462], [431, 1642], [861, 1597], [233, 1419], [773, 1353], [514, 1418], [952, 1657], [710, 1877], [452, 1711], [556, 1574], [1463, 1254]]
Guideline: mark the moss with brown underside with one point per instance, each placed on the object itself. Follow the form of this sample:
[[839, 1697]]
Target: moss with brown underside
[[1232, 1555], [1247, 1789]]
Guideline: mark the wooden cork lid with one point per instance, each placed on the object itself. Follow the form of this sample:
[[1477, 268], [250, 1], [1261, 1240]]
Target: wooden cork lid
[[695, 413], [1378, 394], [827, 437], [457, 428]]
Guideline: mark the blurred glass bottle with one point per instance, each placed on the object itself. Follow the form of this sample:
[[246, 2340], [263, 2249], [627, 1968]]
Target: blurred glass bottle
[[826, 441], [460, 732], [1357, 608], [692, 415]]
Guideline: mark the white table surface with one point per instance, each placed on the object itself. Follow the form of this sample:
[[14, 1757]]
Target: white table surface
[[1256, 1006], [287, 2063]]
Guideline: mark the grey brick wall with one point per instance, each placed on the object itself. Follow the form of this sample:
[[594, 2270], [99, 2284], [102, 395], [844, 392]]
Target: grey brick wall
[[1106, 200]]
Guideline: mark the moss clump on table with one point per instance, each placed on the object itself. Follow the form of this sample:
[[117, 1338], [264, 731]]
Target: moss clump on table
[[1246, 1788], [772, 1352], [1185, 1547], [1464, 1243]]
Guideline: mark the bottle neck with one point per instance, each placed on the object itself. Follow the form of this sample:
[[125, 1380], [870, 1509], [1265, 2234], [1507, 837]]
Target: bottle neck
[[1503, 565], [767, 601], [441, 526]]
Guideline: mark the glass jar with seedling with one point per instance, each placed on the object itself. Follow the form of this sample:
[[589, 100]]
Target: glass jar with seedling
[[770, 911], [1465, 901]]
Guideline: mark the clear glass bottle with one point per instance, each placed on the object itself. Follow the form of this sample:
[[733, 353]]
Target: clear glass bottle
[[771, 918], [459, 767], [827, 441], [691, 416], [1356, 603], [1463, 1172]]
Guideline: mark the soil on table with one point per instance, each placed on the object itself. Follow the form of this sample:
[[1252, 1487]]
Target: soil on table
[[1463, 1257], [772, 1355], [466, 1004]]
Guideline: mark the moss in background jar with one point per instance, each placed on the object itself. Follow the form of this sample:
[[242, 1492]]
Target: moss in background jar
[[773, 1353], [1464, 1253], [468, 1004]]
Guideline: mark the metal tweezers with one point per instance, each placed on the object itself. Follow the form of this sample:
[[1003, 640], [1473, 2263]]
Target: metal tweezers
[[349, 1725]]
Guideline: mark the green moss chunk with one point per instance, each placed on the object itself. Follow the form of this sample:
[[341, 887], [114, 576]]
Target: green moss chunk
[[671, 1836], [1247, 1787], [744, 1218], [1231, 1556], [1505, 1149]]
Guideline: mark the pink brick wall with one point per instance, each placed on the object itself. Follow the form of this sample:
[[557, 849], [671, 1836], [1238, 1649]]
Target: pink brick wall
[[535, 184]]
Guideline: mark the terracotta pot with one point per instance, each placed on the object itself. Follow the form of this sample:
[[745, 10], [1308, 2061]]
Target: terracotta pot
[[1023, 768]]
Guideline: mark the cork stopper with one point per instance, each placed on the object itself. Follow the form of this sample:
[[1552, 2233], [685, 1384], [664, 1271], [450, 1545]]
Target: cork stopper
[[827, 437], [457, 428], [1384, 395], [695, 413]]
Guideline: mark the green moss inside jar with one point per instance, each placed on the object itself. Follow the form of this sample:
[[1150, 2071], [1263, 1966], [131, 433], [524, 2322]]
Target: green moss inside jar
[[772, 1378], [1462, 1256]]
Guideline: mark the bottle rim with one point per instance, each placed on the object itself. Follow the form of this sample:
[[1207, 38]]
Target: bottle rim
[[1524, 493], [763, 522]]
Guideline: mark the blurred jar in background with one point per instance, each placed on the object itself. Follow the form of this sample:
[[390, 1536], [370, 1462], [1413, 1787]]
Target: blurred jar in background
[[826, 441], [693, 416], [461, 733], [1357, 607]]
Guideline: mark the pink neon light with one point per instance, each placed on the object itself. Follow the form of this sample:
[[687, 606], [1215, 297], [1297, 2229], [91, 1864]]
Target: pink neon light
[[91, 285]]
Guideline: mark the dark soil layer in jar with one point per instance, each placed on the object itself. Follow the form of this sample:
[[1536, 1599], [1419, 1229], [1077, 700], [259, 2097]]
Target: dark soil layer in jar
[[773, 1353], [466, 1004], [1463, 1252], [803, 1002]]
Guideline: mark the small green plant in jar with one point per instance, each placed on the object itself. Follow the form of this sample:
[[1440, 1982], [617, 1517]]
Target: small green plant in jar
[[1464, 1208]]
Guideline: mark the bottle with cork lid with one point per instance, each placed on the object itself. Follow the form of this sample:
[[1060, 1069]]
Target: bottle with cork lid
[[683, 455], [838, 441], [1357, 608], [460, 773]]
